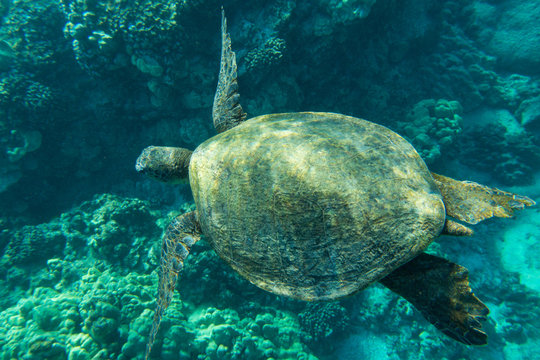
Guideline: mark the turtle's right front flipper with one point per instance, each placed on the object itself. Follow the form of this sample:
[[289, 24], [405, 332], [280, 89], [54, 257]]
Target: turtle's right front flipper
[[440, 290], [182, 233]]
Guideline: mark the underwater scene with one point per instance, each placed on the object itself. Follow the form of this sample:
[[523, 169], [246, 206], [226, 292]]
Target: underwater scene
[[272, 227]]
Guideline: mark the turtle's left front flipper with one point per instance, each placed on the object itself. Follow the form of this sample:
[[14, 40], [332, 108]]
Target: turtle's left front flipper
[[440, 290], [181, 234]]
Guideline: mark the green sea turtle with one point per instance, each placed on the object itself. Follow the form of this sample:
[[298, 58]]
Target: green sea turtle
[[317, 206]]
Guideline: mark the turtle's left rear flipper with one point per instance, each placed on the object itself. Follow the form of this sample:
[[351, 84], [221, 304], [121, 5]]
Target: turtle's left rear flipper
[[440, 290]]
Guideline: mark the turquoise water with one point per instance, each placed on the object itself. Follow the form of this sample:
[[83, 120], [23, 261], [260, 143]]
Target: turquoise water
[[86, 85]]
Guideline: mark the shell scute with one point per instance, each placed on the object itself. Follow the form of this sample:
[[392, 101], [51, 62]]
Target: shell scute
[[314, 205]]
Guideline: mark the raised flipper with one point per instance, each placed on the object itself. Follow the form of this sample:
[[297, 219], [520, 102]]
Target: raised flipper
[[227, 112], [471, 202], [163, 163], [440, 290], [181, 234]]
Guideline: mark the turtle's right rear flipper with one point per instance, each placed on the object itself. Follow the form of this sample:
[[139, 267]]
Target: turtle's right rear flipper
[[440, 290], [471, 202]]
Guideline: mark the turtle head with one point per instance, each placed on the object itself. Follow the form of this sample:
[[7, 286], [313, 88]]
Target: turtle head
[[166, 164]]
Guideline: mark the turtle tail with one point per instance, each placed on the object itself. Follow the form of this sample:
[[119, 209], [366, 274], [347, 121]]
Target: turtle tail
[[181, 234]]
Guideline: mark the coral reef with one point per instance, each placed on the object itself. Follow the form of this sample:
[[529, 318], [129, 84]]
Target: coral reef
[[267, 56], [433, 126], [20, 100], [331, 15], [497, 143], [224, 334], [499, 27], [27, 85], [34, 31], [31, 243], [88, 295], [94, 316], [109, 36], [108, 228], [144, 40], [323, 325]]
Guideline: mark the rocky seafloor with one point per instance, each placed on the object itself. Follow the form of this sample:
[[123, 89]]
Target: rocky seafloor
[[82, 286], [85, 85]]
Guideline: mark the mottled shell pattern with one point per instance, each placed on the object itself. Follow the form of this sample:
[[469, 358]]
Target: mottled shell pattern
[[314, 206]]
